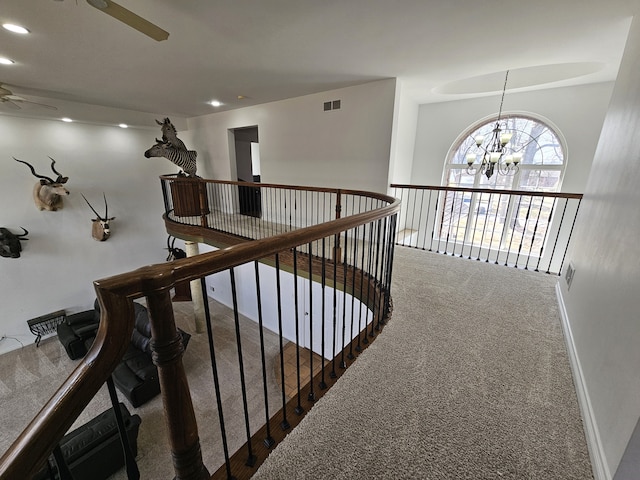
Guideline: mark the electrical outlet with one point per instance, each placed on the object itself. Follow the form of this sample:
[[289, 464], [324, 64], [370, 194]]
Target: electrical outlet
[[213, 289], [568, 277]]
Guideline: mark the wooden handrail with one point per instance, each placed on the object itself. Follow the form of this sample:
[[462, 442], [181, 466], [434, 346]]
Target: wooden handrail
[[489, 190], [115, 295]]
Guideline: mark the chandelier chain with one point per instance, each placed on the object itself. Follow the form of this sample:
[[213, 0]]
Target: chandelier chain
[[504, 89]]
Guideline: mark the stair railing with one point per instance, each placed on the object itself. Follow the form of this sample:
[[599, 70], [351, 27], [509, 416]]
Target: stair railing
[[352, 253], [522, 229]]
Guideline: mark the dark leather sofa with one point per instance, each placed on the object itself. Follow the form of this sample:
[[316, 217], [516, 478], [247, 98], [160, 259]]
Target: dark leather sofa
[[94, 451], [136, 376], [77, 332]]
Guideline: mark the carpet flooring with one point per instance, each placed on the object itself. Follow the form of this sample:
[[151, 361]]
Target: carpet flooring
[[469, 380]]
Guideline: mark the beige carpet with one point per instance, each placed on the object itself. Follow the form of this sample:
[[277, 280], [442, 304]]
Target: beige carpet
[[470, 380]]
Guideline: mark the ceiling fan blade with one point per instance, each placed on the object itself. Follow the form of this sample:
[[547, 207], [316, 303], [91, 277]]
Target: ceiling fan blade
[[10, 104], [14, 101], [128, 17], [4, 91]]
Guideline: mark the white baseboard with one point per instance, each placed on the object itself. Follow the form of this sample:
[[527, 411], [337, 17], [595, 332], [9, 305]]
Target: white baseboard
[[594, 444]]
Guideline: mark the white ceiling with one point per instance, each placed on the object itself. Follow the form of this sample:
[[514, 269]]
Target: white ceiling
[[270, 50]]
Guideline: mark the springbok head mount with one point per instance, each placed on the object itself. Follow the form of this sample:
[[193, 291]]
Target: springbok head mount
[[175, 253], [48, 193], [100, 230], [10, 242]]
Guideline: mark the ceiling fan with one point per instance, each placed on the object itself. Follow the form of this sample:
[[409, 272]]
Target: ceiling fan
[[129, 18], [10, 100]]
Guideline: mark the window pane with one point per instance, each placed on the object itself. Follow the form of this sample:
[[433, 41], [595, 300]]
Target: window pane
[[539, 180]]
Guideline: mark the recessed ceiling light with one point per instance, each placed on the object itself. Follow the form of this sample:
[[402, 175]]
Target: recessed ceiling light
[[66, 119], [15, 28], [215, 103], [6, 61], [123, 125]]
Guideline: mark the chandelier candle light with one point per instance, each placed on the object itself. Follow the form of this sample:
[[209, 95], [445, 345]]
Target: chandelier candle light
[[497, 154]]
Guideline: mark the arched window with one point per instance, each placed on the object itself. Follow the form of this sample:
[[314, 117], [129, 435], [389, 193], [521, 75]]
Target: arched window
[[543, 157], [493, 220]]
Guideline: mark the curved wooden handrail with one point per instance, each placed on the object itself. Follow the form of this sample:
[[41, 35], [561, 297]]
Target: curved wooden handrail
[[115, 295], [489, 190]]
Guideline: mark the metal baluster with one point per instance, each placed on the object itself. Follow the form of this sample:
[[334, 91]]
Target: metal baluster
[[343, 364], [513, 229], [555, 243], [63, 469], [376, 298], [133, 473], [268, 440], [475, 224], [333, 374], [524, 230], [284, 425], [535, 230], [455, 241], [426, 223], [364, 236], [353, 291], [299, 410], [323, 383], [573, 224], [369, 264], [312, 396], [546, 232], [405, 205], [216, 382], [493, 231], [251, 458]]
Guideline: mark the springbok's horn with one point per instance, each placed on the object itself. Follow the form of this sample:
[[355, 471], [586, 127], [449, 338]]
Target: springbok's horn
[[33, 171], [60, 178], [94, 210], [106, 207]]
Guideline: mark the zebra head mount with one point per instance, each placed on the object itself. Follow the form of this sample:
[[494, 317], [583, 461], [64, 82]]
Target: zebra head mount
[[100, 229], [184, 159], [10, 242], [170, 135], [47, 192]]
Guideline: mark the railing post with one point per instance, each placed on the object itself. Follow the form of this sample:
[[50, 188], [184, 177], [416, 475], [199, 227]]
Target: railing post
[[167, 348], [204, 202]]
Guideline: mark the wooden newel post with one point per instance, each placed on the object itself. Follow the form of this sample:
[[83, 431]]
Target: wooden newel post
[[167, 348]]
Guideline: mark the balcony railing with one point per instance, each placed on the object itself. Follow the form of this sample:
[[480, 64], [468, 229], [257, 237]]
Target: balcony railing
[[319, 266], [523, 229]]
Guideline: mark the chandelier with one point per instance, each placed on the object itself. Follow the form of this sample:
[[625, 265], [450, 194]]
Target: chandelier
[[496, 154]]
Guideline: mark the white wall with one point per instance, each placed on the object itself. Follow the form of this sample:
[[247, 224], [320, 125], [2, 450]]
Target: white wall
[[60, 260], [578, 113], [603, 304], [403, 139], [302, 144]]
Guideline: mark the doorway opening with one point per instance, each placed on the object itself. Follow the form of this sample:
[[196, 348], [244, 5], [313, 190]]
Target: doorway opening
[[248, 170]]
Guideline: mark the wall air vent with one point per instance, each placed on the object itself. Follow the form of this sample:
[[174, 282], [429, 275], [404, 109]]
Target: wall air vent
[[332, 105]]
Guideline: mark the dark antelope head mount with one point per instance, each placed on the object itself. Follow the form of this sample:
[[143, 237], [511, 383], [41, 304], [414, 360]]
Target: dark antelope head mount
[[174, 252], [100, 230], [47, 192], [10, 242]]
